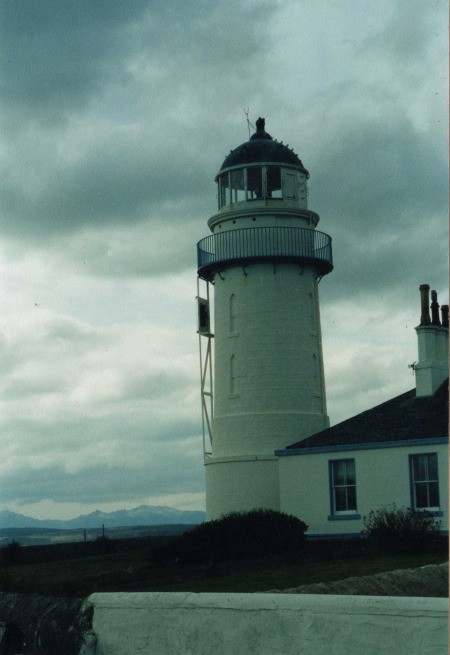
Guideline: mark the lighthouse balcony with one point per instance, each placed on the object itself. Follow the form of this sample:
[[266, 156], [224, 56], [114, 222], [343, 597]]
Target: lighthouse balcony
[[305, 246]]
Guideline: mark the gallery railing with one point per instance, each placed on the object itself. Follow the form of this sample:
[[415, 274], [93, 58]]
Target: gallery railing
[[305, 246]]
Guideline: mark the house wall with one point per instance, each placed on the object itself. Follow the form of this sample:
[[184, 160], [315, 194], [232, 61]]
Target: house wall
[[382, 478]]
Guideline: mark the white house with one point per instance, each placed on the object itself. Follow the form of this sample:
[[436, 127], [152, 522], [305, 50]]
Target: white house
[[395, 453]]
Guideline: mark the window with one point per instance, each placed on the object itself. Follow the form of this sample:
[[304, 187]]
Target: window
[[289, 181], [254, 182], [233, 315], [274, 182], [233, 377], [237, 185], [424, 481], [343, 486], [224, 190]]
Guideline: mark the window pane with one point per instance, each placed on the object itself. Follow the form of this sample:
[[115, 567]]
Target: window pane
[[433, 494], [339, 472], [274, 182], [350, 470], [340, 496], [254, 182], [237, 185], [289, 185], [432, 467], [420, 467], [421, 495], [351, 498], [224, 190]]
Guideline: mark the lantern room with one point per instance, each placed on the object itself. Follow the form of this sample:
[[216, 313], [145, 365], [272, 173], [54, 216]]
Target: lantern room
[[262, 169]]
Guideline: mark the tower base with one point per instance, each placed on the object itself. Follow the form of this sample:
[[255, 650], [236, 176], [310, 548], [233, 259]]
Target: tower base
[[240, 484]]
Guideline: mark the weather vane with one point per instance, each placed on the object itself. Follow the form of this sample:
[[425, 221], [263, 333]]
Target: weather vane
[[249, 125]]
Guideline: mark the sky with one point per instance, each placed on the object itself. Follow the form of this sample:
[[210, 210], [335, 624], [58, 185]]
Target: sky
[[115, 118]]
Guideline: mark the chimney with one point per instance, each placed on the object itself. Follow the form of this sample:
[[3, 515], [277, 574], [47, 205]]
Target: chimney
[[432, 336], [425, 301]]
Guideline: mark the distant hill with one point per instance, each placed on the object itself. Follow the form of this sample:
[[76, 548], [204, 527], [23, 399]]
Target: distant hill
[[142, 515]]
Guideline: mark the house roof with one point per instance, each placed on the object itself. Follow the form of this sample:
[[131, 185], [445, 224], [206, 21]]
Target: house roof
[[399, 419]]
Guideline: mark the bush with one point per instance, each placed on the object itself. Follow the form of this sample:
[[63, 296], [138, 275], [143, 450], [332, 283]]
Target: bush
[[401, 530], [236, 536], [11, 554]]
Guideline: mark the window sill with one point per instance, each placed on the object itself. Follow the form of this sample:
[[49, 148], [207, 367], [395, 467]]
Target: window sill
[[433, 512], [344, 517]]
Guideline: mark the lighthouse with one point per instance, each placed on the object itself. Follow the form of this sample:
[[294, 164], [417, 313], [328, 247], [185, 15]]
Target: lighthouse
[[262, 378]]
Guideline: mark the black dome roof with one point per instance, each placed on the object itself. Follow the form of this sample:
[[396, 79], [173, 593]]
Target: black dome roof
[[262, 148]]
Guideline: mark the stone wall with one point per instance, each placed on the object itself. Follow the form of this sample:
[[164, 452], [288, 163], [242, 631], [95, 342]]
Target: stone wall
[[43, 625], [431, 581]]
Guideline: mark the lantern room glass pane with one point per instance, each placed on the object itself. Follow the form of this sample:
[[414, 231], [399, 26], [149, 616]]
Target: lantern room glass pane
[[224, 190], [274, 182], [254, 182], [237, 185]]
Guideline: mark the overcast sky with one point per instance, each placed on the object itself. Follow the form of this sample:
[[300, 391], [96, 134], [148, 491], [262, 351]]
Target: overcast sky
[[115, 118]]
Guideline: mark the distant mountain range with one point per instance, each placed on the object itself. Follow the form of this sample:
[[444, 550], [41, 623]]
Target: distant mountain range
[[142, 515]]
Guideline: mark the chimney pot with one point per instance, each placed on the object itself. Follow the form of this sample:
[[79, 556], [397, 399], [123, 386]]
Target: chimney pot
[[444, 312], [425, 302], [434, 309]]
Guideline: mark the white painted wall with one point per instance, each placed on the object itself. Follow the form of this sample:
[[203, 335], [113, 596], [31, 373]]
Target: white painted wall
[[432, 368], [241, 483], [267, 624], [277, 394], [382, 478]]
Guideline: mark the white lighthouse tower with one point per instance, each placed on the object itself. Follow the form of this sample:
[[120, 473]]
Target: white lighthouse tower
[[264, 259]]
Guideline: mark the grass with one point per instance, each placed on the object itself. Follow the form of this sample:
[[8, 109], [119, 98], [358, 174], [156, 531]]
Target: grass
[[133, 570]]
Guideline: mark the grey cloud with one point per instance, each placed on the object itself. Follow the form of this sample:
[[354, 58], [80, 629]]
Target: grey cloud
[[60, 56], [132, 138], [118, 457], [57, 53], [405, 38], [376, 173], [133, 432], [97, 484], [119, 182], [381, 190], [163, 245]]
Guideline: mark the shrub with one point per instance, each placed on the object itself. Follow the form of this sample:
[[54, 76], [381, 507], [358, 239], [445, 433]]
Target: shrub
[[401, 530], [236, 536], [11, 554]]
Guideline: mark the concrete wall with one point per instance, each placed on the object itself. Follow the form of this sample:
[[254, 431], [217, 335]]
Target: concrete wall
[[267, 624], [382, 478]]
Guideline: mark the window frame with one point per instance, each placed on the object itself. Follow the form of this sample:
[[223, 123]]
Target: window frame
[[229, 193], [425, 481], [334, 512]]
